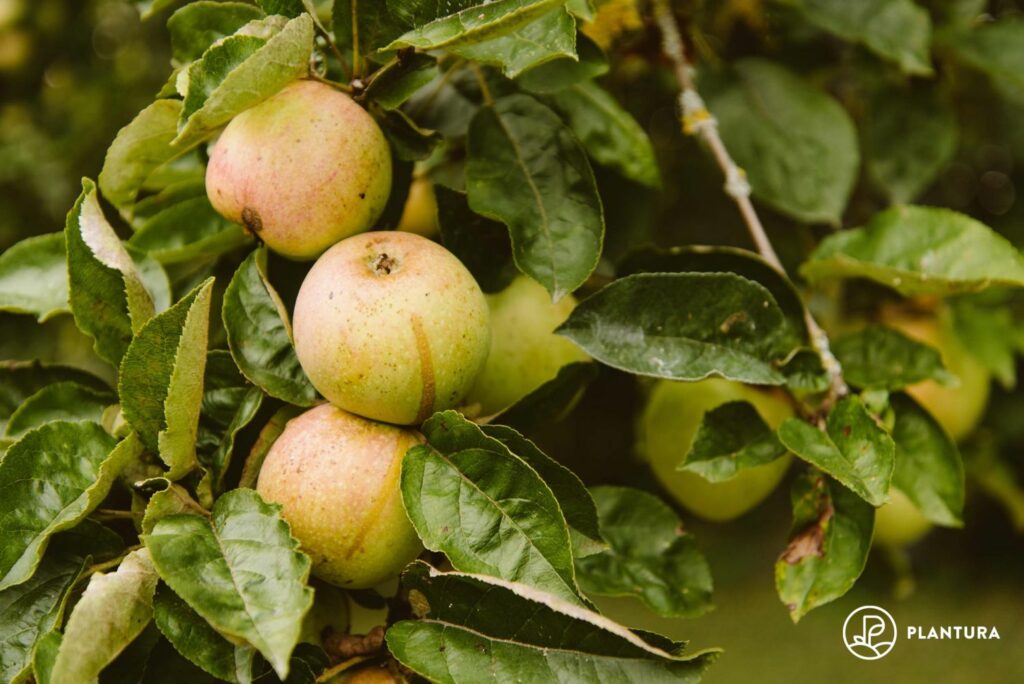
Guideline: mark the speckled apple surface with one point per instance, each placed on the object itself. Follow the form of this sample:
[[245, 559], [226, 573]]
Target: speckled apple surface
[[668, 426], [525, 351], [336, 477], [302, 170], [391, 326]]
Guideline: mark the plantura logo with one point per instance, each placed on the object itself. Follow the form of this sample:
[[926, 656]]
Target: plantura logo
[[869, 632]]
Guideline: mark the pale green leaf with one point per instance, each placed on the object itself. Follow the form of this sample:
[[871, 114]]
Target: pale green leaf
[[475, 24], [34, 277]]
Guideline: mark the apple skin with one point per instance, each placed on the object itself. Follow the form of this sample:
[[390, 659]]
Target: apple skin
[[668, 426], [391, 326], [898, 522], [336, 477], [960, 407], [301, 170], [420, 213], [525, 351]]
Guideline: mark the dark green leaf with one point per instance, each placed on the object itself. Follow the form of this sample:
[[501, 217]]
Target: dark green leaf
[[107, 294], [49, 480], [989, 326], [919, 250], [362, 28], [486, 509], [731, 437], [828, 544], [408, 141], [553, 400], [527, 170], [476, 629], [230, 403], [161, 379], [651, 557], [609, 133], [187, 230], [205, 560], [259, 334], [550, 38], [66, 401], [288, 8], [797, 145], [997, 49], [482, 245], [198, 25], [928, 466], [395, 83], [684, 326], [882, 358], [897, 30], [476, 24], [566, 71], [854, 449], [34, 277], [19, 380]]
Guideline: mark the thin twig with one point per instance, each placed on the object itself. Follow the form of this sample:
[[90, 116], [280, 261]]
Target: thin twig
[[697, 120]]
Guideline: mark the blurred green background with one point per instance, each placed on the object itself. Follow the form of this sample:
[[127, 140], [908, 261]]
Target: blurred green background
[[72, 72]]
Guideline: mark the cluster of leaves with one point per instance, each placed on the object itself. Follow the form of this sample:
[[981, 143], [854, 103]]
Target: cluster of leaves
[[144, 489]]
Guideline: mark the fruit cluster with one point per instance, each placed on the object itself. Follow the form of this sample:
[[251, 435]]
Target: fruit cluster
[[388, 325]]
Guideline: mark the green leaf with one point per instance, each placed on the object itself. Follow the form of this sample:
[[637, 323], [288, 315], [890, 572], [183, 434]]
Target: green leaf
[[475, 24], [609, 133], [731, 437], [34, 277], [230, 403], [482, 245], [114, 609], [854, 449], [19, 380], [409, 141], [288, 8], [550, 38], [651, 557], [196, 640], [29, 611], [260, 335], [928, 465], [161, 379], [67, 401], [988, 325], [44, 656], [909, 137], [267, 436], [396, 82], [480, 629], [241, 570], [139, 149], [552, 401], [574, 500], [684, 326], [996, 49], [897, 30], [919, 250], [107, 294], [49, 480], [526, 169], [362, 28], [241, 72], [187, 230], [797, 145], [828, 544], [719, 259], [564, 72], [172, 500], [883, 358], [198, 25], [486, 509]]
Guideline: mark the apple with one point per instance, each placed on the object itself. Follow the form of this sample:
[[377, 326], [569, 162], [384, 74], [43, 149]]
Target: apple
[[668, 425], [898, 522], [336, 477], [420, 213], [525, 351], [301, 170], [958, 407], [391, 326]]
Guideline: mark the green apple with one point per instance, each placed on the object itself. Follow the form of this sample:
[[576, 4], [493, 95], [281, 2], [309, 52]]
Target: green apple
[[420, 212], [302, 170], [336, 477], [391, 326], [525, 351], [667, 428], [958, 407], [898, 522]]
